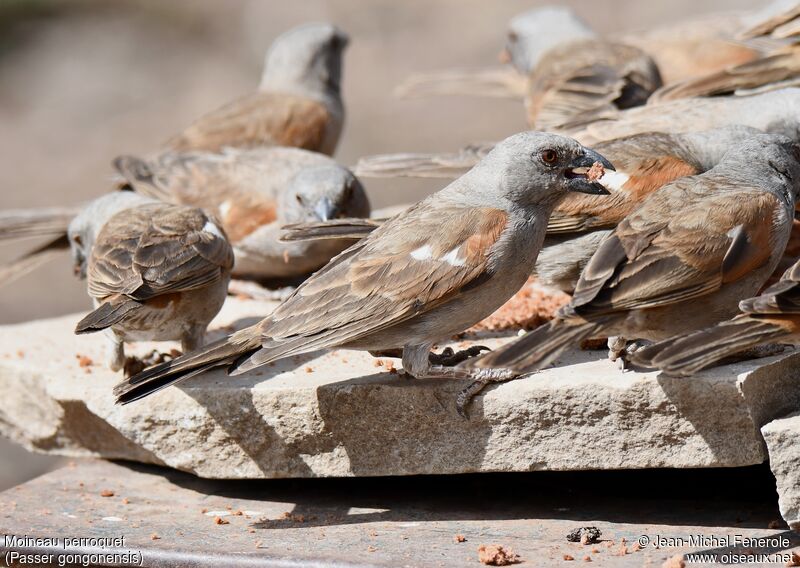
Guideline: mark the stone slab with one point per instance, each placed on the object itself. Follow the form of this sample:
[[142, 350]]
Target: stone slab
[[782, 437], [170, 518], [338, 414]]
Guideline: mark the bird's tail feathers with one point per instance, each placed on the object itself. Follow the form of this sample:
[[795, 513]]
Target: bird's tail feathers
[[353, 228], [442, 165], [106, 314], [500, 82], [214, 354], [688, 354], [46, 221], [33, 259], [538, 348]]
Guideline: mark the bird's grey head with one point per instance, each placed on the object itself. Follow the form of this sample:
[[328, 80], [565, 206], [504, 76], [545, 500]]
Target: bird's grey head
[[83, 229], [708, 147], [306, 59], [322, 193], [538, 168], [768, 160], [534, 32]]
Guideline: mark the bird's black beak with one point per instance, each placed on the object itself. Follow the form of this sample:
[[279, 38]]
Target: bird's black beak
[[325, 210], [582, 174]]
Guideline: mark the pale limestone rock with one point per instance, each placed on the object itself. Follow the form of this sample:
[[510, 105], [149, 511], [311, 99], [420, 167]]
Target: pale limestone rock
[[782, 438], [349, 417]]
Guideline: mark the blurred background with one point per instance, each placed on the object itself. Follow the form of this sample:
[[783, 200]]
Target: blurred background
[[82, 81]]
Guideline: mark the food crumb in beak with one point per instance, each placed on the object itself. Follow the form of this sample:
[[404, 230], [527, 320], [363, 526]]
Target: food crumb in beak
[[595, 172]]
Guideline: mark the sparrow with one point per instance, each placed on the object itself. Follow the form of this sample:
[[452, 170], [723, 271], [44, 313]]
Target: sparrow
[[570, 72], [777, 68], [644, 163], [771, 317], [253, 193], [155, 271], [298, 102], [680, 262], [434, 270]]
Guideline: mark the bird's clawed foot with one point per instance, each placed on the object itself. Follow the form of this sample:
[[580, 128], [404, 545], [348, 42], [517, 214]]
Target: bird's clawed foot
[[480, 379], [135, 365], [620, 351], [450, 358]]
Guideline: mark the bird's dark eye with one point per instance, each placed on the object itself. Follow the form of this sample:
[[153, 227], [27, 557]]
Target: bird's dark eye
[[549, 156]]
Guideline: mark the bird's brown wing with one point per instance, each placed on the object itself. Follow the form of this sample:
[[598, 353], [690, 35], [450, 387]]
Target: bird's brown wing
[[157, 249], [649, 161], [774, 23], [588, 80], [783, 297], [777, 70], [709, 238], [259, 119], [406, 267], [222, 184]]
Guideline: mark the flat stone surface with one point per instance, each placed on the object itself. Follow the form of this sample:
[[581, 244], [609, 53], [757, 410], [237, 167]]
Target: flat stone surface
[[170, 518], [338, 414], [782, 438]]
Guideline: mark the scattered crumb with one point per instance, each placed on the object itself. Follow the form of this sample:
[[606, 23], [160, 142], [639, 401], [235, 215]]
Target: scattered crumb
[[371, 549], [568, 557], [595, 549], [21, 354], [636, 547], [527, 309], [378, 363], [294, 518], [220, 521], [794, 560], [308, 369], [776, 524], [674, 562], [259, 543], [496, 555], [459, 538], [238, 513], [125, 501], [251, 531], [390, 366], [204, 510], [595, 172], [587, 558], [585, 535], [84, 361], [154, 536], [106, 493]]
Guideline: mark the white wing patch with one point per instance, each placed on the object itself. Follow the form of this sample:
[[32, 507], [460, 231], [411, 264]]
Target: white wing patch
[[424, 252], [614, 181], [224, 209], [210, 227], [453, 258]]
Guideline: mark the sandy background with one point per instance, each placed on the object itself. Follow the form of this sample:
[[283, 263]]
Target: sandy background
[[82, 81]]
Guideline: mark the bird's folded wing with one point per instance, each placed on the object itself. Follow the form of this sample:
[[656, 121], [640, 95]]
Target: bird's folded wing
[[157, 249], [654, 258], [783, 297], [260, 119], [408, 266], [771, 71], [589, 80], [775, 18]]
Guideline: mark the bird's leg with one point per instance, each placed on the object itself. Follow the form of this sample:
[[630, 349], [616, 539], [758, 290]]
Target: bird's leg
[[256, 291], [193, 338], [450, 358], [416, 363], [115, 351]]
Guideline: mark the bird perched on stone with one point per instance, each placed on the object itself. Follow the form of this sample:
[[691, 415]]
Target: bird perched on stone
[[777, 68], [571, 72], [298, 102], [156, 271], [253, 193], [644, 163], [443, 265], [680, 262], [771, 317]]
